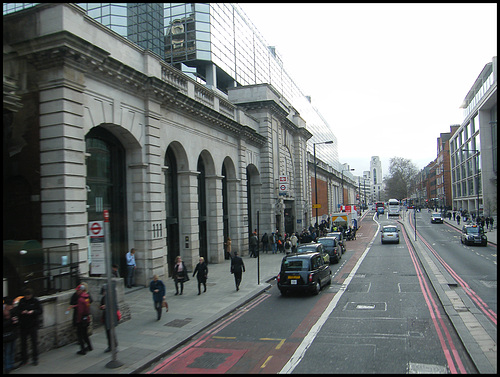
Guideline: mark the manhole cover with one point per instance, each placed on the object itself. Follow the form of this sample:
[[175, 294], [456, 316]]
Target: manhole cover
[[178, 322], [209, 360]]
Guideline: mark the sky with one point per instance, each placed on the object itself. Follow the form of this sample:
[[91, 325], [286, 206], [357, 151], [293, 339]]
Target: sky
[[388, 78]]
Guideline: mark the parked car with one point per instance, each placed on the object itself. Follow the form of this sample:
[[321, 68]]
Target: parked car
[[340, 237], [389, 233], [313, 246], [473, 235], [332, 248], [303, 272], [436, 218]]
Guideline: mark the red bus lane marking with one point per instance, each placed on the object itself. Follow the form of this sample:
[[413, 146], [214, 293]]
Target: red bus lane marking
[[197, 343], [436, 316], [468, 290]]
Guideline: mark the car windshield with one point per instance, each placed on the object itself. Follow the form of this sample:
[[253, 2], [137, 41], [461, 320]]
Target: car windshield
[[390, 230], [327, 242], [303, 249], [334, 234], [472, 230], [436, 215], [295, 264]]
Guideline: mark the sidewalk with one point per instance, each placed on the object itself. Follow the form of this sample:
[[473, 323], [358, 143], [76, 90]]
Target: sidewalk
[[143, 339]]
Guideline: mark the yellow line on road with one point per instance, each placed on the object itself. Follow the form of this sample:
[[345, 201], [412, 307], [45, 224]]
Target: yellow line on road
[[275, 339], [265, 362], [223, 337]]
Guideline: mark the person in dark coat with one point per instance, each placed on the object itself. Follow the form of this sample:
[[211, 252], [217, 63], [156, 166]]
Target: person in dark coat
[[105, 318], [158, 289], [180, 274], [10, 334], [237, 268], [29, 310], [202, 270]]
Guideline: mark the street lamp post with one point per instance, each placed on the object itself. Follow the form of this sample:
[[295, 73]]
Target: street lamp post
[[477, 175], [343, 183], [316, 178]]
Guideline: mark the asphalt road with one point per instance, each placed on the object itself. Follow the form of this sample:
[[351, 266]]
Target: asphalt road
[[475, 265], [380, 315]]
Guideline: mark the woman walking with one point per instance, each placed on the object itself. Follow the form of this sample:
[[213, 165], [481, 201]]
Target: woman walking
[[180, 274], [158, 289], [202, 270]]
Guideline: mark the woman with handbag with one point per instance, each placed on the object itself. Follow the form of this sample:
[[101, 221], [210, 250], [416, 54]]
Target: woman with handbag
[[180, 274], [158, 288]]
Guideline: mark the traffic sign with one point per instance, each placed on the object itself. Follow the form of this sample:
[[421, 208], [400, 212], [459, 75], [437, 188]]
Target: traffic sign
[[96, 229], [316, 205]]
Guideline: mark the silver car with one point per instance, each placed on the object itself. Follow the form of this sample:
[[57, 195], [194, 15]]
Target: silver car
[[389, 233]]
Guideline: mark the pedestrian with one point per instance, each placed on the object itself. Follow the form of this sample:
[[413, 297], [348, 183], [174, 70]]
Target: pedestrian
[[265, 243], [229, 253], [491, 223], [237, 268], [180, 274], [83, 320], [487, 221], [274, 242], [74, 300], [10, 334], [288, 246], [158, 289], [458, 219], [131, 266], [454, 214], [201, 270], [114, 271], [294, 240], [105, 317], [253, 244], [29, 311]]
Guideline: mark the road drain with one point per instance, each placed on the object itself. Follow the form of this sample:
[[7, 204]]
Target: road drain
[[178, 322]]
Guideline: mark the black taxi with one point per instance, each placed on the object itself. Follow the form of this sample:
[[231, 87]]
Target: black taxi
[[303, 272]]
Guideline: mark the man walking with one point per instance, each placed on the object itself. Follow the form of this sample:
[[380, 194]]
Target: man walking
[[131, 268], [29, 310], [237, 268]]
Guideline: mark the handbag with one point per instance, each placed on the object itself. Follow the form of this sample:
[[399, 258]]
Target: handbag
[[119, 314], [165, 305]]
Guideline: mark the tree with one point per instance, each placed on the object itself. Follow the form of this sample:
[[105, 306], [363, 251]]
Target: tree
[[401, 178]]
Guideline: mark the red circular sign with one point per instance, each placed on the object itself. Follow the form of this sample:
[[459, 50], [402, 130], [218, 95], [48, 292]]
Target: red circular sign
[[95, 228]]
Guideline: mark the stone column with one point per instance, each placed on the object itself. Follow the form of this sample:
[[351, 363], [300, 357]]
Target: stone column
[[215, 220], [188, 218]]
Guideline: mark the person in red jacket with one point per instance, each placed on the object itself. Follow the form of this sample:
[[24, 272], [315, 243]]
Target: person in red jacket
[[83, 320]]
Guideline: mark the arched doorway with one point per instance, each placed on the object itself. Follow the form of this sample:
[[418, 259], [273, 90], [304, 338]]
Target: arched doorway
[[106, 189], [171, 208]]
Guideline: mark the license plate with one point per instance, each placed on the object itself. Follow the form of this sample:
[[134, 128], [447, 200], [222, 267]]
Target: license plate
[[293, 282]]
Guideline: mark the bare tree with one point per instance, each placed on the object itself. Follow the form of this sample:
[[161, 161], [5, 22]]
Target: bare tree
[[401, 178]]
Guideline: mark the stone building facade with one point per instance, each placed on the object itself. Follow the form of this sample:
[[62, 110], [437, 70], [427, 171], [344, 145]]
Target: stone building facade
[[93, 122]]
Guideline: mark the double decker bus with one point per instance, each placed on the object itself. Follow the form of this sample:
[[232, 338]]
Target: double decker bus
[[393, 207], [379, 207]]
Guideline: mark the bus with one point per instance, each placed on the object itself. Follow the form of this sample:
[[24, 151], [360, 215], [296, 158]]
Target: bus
[[393, 207], [379, 207]]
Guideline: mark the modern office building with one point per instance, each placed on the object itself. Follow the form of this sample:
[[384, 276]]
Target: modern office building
[[474, 146]]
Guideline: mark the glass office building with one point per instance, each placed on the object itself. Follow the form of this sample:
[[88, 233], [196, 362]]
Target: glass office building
[[217, 44]]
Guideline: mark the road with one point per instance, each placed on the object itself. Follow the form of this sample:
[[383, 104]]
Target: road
[[380, 315]]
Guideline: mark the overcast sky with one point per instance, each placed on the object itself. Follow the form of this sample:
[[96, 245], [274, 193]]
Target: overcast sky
[[388, 78]]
